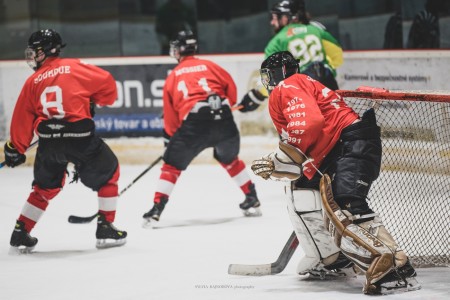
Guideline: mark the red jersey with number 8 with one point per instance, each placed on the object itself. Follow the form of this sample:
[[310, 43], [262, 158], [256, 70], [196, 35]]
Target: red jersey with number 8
[[61, 88]]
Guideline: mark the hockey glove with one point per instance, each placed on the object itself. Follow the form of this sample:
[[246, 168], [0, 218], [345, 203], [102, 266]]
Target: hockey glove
[[12, 157], [285, 164], [251, 101]]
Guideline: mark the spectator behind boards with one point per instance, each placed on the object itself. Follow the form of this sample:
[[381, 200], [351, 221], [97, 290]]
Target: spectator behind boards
[[425, 32]]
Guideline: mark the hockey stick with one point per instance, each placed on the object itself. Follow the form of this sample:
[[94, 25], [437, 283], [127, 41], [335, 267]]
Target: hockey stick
[[82, 220], [268, 269], [237, 107], [3, 163]]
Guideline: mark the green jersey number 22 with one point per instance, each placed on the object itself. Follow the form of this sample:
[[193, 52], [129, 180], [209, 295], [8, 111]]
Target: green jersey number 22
[[307, 49]]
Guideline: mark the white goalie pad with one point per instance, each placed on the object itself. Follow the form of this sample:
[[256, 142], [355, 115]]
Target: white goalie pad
[[305, 211]]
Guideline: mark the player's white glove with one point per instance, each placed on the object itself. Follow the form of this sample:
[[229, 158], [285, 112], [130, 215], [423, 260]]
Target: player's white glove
[[284, 164]]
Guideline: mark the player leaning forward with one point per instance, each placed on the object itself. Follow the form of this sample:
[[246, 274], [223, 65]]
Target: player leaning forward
[[55, 104], [319, 130], [198, 96]]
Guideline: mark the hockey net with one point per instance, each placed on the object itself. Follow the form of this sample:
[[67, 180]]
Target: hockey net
[[412, 194]]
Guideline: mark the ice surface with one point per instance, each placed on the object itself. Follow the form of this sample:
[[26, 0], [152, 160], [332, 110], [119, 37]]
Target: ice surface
[[200, 233]]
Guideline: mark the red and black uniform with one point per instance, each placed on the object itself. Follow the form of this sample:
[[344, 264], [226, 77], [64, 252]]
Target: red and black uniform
[[198, 96], [55, 105], [317, 121], [192, 81]]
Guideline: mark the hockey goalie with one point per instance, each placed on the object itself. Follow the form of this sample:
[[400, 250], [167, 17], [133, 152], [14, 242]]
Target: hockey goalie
[[330, 156]]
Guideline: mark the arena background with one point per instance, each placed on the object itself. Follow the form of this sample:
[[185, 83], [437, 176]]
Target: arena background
[[122, 37]]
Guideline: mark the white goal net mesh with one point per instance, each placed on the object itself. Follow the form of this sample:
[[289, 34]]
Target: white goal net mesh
[[412, 194]]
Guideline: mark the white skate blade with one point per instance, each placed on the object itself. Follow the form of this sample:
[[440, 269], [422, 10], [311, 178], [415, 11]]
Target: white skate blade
[[149, 223], [20, 250], [109, 243], [252, 212], [400, 287]]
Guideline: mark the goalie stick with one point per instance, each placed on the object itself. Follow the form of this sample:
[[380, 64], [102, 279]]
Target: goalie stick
[[82, 220], [268, 269]]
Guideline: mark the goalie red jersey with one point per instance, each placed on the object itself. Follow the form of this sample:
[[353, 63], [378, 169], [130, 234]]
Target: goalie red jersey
[[59, 89], [192, 81], [310, 116]]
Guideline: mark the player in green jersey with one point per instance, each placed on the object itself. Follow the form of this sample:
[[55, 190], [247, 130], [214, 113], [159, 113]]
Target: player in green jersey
[[318, 52]]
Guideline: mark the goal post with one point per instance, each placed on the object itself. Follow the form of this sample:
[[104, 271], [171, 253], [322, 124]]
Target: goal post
[[412, 194]]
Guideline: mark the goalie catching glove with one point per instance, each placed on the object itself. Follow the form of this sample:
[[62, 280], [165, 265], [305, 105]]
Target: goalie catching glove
[[284, 164]]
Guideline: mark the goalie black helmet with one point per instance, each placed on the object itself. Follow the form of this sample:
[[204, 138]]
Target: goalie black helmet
[[276, 68], [184, 44], [41, 44]]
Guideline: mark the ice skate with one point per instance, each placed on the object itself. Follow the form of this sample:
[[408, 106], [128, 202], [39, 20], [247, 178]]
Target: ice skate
[[251, 205], [108, 235], [154, 214], [341, 268], [326, 274], [21, 241], [397, 281]]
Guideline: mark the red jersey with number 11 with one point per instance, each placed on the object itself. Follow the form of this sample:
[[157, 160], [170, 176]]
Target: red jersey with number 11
[[191, 81], [61, 89]]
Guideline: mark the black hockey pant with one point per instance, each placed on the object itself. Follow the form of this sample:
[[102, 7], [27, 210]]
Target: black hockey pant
[[353, 164], [94, 161], [198, 133]]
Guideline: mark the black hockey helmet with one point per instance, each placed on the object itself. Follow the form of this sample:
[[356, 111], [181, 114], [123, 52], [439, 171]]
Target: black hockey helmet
[[286, 7], [184, 44], [45, 42], [276, 68]]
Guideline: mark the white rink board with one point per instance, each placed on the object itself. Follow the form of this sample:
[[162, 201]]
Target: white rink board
[[406, 70]]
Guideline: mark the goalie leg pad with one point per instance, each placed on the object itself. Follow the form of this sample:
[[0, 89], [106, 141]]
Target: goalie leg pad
[[369, 245], [305, 211]]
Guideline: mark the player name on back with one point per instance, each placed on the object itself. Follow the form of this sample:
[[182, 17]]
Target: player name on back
[[199, 68], [52, 73]]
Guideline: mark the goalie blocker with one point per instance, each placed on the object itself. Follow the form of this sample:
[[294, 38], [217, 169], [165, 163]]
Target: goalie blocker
[[365, 241]]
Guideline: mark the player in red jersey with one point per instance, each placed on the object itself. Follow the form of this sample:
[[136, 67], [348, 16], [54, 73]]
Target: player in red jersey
[[56, 104], [326, 146], [198, 97]]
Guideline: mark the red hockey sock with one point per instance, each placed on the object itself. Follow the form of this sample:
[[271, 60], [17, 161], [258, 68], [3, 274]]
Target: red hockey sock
[[108, 196], [236, 170], [166, 183], [36, 205]]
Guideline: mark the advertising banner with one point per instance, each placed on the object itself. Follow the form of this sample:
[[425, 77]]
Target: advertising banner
[[140, 81], [137, 110], [395, 70]]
